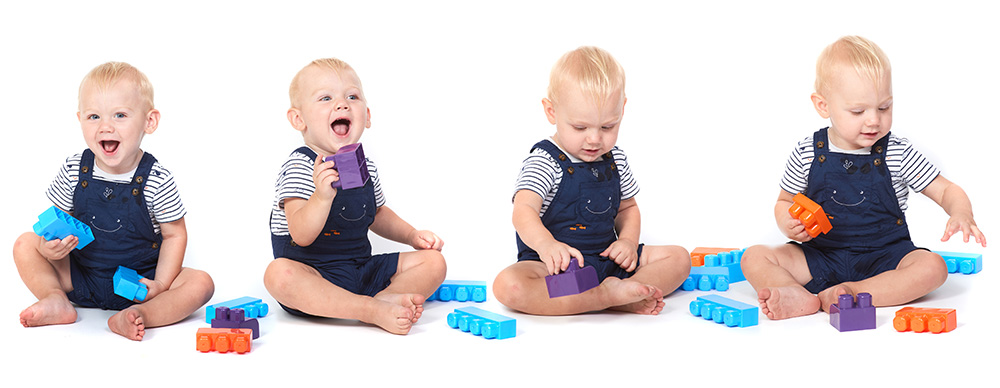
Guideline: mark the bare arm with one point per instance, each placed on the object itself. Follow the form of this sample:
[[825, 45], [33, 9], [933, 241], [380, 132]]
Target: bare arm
[[307, 217], [529, 227], [624, 251], [171, 258], [791, 227], [956, 203], [388, 224]]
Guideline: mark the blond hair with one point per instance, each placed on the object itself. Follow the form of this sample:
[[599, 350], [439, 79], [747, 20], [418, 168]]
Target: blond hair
[[594, 70], [108, 74], [862, 54], [334, 64]]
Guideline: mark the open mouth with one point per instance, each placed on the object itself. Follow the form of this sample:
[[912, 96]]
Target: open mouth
[[109, 146], [341, 126]]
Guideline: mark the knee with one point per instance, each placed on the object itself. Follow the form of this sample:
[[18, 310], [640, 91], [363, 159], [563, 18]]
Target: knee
[[755, 255], [278, 275], [936, 270], [200, 281], [25, 245], [507, 288]]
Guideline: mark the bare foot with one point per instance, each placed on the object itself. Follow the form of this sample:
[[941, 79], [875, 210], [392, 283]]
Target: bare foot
[[52, 310], [128, 323], [832, 295], [633, 297], [391, 317], [414, 302], [787, 302]]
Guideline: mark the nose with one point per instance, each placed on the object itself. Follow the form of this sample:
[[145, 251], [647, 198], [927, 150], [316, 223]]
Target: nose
[[342, 104], [594, 136], [105, 126], [874, 120]]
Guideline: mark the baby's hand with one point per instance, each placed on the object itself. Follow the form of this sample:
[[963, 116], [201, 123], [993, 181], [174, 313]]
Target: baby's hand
[[624, 253], [425, 239], [323, 177], [795, 230], [56, 249], [153, 288], [967, 225], [556, 256]]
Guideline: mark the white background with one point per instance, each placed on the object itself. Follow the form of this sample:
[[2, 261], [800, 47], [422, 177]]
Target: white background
[[718, 95]]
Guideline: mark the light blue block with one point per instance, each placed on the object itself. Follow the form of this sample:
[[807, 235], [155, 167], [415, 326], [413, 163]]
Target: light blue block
[[460, 290], [724, 310], [54, 223], [707, 279], [252, 308], [127, 285], [966, 263], [481, 322], [730, 261]]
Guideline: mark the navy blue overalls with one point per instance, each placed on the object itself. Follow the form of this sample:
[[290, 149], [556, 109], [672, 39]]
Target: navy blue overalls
[[123, 234], [342, 252], [582, 213], [869, 234]]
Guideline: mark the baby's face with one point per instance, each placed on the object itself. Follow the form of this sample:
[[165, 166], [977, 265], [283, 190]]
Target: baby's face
[[860, 111], [114, 120], [585, 128], [332, 111]]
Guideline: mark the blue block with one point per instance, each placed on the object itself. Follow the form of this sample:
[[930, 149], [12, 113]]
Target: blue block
[[967, 263], [252, 307], [54, 223], [460, 290], [127, 285], [481, 322], [728, 260], [706, 279], [724, 310]]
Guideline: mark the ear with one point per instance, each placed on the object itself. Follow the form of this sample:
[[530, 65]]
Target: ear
[[152, 121], [550, 110], [295, 118], [819, 102], [368, 117]]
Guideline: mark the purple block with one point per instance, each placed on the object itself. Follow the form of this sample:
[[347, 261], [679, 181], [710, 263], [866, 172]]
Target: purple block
[[234, 319], [574, 281], [846, 315], [350, 163]]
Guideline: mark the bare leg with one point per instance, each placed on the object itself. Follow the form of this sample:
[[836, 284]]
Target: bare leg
[[919, 273], [190, 290], [418, 275], [301, 287], [778, 274], [48, 280], [522, 286]]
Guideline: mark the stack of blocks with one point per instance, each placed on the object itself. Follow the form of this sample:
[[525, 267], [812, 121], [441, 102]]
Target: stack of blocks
[[223, 340], [811, 214], [127, 285], [54, 223], [574, 281], [714, 268], [350, 163], [460, 290], [849, 315], [724, 310], [925, 319], [967, 263], [481, 322], [252, 307], [226, 318]]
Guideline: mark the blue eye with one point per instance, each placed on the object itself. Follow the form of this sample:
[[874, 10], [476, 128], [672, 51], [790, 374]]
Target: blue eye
[[324, 98], [353, 97], [119, 115], [93, 117]]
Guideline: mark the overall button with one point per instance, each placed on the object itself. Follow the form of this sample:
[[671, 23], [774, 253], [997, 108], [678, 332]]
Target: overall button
[[899, 221]]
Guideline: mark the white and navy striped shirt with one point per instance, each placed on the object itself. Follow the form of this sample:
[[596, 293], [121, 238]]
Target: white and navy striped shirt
[[541, 174], [295, 180], [907, 167], [162, 198]]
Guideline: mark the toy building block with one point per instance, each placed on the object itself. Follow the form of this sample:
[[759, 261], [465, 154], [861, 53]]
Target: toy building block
[[724, 310], [350, 163], [226, 318], [846, 315], [967, 263], [223, 340], [127, 284], [574, 281], [252, 307], [811, 214], [698, 254], [706, 279], [481, 322], [460, 290], [925, 319], [54, 223]]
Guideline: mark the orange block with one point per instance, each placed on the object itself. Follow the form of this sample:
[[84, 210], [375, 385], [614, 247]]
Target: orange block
[[224, 340], [811, 215], [698, 254], [925, 319]]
